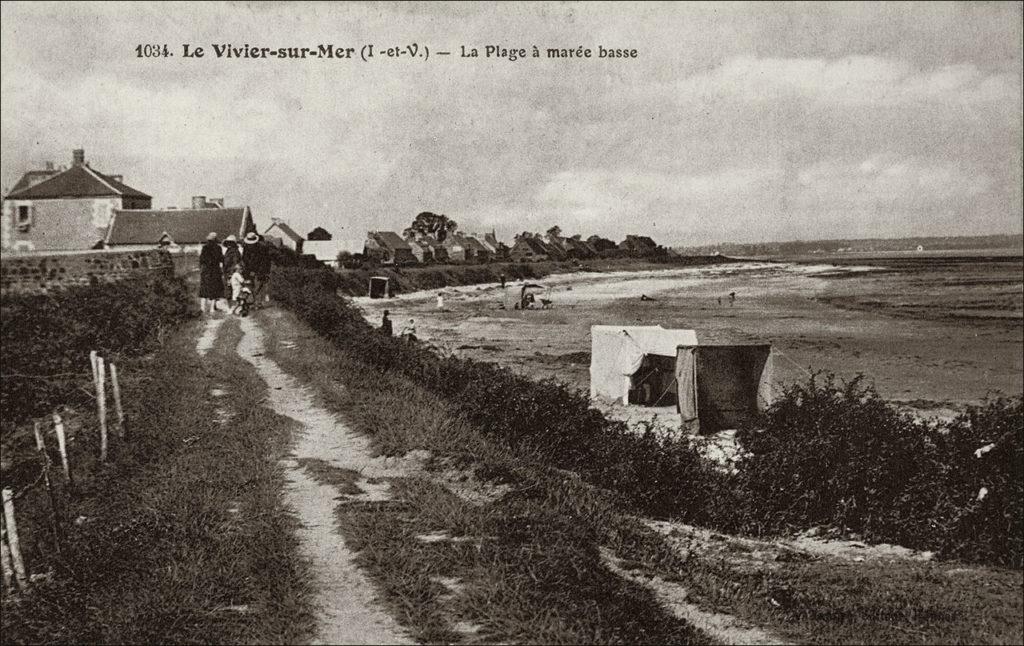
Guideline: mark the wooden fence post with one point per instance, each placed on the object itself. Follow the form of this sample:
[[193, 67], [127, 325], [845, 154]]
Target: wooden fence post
[[54, 511], [62, 446], [93, 356], [5, 561], [12, 539], [101, 405], [121, 431]]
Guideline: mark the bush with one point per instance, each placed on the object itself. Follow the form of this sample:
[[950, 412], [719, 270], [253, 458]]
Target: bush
[[838, 455], [46, 338]]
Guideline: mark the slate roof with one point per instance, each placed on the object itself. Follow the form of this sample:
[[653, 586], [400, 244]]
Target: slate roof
[[536, 246], [183, 226], [77, 181], [33, 177], [390, 239], [286, 230], [469, 242]]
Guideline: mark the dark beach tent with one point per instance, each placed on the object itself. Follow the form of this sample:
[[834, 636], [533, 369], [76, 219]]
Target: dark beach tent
[[723, 386], [379, 287]]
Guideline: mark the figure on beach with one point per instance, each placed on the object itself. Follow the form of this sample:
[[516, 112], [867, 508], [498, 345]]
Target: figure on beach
[[732, 298], [409, 331]]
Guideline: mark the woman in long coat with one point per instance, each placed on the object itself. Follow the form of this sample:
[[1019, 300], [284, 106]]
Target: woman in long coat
[[211, 280]]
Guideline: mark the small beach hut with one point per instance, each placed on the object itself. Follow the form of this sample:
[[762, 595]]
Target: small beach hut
[[380, 287]]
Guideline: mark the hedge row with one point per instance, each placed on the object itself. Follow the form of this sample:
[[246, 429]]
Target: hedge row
[[46, 338], [830, 454]]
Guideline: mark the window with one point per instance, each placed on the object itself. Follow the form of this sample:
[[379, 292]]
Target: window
[[23, 217]]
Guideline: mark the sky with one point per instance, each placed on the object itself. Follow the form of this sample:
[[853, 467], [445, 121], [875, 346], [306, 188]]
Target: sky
[[735, 122]]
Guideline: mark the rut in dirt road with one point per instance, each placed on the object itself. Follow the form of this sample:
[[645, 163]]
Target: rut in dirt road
[[344, 597]]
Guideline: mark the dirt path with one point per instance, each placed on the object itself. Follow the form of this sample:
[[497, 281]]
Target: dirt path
[[348, 611], [722, 627]]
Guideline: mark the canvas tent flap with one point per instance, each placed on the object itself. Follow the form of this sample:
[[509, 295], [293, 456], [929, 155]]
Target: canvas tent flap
[[618, 351], [724, 386]]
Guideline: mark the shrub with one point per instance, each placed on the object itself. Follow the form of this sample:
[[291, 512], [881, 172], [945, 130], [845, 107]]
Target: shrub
[[836, 454], [46, 338]]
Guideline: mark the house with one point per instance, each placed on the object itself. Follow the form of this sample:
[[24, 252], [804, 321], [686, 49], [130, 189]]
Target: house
[[389, 248], [576, 247], [437, 248], [64, 209], [639, 246], [456, 249], [529, 250], [554, 247], [176, 229], [281, 231], [476, 251], [423, 251]]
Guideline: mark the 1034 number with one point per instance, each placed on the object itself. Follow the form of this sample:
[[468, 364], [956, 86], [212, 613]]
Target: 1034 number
[[152, 51]]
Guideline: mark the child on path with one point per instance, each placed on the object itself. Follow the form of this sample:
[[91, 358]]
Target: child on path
[[238, 281]]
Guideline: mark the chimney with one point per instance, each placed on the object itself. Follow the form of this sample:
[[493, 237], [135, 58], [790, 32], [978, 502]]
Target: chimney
[[198, 201], [49, 165], [216, 202], [78, 157]]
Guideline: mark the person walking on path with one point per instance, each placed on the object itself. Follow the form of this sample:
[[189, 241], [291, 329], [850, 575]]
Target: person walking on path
[[440, 301], [257, 260], [211, 281], [732, 298], [232, 258], [385, 325]]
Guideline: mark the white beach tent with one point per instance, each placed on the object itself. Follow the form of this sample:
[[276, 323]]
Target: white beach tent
[[618, 351]]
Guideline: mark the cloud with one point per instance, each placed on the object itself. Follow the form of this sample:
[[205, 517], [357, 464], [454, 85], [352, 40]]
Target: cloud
[[856, 81]]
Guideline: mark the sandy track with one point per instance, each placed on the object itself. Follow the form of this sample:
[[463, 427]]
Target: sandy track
[[345, 598], [209, 336]]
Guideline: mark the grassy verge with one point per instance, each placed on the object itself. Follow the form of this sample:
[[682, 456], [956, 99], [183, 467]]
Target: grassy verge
[[534, 550], [522, 567], [826, 600], [183, 537]]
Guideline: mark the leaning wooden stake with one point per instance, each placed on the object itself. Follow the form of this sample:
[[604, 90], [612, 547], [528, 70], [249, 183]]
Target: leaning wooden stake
[[101, 405], [58, 537], [12, 539], [62, 446], [5, 561], [121, 431], [93, 356]]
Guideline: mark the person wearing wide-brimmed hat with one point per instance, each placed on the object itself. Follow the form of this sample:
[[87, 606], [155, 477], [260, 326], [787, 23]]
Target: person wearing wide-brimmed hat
[[211, 282], [232, 258], [257, 260]]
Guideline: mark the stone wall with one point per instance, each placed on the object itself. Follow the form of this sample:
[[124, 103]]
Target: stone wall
[[33, 273]]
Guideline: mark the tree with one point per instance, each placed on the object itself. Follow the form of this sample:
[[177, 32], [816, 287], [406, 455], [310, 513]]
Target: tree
[[318, 233], [432, 224], [555, 232]]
